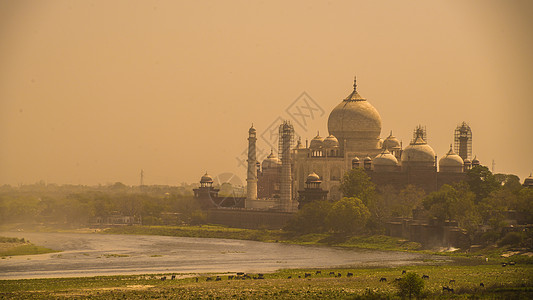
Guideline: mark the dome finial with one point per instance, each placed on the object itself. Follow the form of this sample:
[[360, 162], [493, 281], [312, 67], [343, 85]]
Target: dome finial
[[355, 83]]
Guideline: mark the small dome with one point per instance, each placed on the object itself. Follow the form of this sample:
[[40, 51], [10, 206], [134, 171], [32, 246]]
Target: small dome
[[467, 161], [368, 158], [391, 142], [385, 158], [317, 142], [451, 159], [206, 178], [475, 161], [331, 142], [313, 177], [418, 152], [355, 160], [271, 161]]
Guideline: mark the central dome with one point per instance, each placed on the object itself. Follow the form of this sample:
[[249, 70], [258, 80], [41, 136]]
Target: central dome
[[354, 119]]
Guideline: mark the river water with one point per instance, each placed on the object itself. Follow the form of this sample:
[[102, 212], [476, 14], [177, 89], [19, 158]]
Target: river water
[[91, 254]]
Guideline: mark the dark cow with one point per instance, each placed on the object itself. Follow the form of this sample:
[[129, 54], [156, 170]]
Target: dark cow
[[382, 279], [349, 274], [425, 276]]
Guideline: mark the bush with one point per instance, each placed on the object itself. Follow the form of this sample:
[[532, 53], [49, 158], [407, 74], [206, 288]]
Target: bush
[[512, 239], [410, 285]]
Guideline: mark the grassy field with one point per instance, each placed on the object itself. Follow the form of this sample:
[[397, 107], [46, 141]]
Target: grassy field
[[14, 246], [511, 282]]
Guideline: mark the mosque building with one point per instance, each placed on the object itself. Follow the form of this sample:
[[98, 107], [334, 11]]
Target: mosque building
[[302, 174]]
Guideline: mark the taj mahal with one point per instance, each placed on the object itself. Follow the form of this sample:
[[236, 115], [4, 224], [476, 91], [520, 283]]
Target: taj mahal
[[304, 172]]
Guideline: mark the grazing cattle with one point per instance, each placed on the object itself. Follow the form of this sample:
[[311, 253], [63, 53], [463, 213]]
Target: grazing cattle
[[447, 289], [247, 277], [382, 279], [397, 279], [230, 277], [512, 263], [349, 274], [425, 276], [307, 275], [289, 277], [339, 275], [403, 272], [163, 278], [240, 273], [504, 265], [173, 277], [481, 285], [332, 273], [208, 279], [218, 278], [299, 276], [452, 281], [196, 279], [318, 272]]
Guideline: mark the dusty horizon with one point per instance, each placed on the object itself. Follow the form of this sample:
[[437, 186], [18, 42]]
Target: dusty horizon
[[93, 92]]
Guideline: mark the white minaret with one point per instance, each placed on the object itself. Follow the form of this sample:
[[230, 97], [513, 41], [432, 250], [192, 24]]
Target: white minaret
[[251, 178]]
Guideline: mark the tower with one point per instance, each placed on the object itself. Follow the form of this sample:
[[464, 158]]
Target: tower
[[286, 136], [251, 177], [463, 141]]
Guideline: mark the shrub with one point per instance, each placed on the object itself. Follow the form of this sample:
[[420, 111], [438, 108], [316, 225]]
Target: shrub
[[410, 285], [511, 238]]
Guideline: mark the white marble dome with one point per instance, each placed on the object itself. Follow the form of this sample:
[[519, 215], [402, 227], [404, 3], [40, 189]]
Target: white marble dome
[[271, 161], [317, 142], [418, 152], [331, 142], [451, 159], [385, 158], [391, 142], [354, 118]]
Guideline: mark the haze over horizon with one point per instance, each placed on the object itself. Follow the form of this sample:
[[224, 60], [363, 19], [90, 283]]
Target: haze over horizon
[[92, 92]]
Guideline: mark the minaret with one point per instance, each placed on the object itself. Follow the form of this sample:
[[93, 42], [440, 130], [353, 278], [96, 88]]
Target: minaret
[[286, 134], [251, 178]]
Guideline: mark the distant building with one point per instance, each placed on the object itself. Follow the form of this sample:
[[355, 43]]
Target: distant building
[[354, 141]]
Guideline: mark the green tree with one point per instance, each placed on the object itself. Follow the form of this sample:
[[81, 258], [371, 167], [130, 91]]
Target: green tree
[[453, 202], [348, 215], [311, 218], [410, 285], [481, 182], [357, 184], [410, 198]]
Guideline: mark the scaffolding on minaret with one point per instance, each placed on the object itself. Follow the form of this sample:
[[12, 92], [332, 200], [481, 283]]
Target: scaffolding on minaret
[[463, 141], [286, 142]]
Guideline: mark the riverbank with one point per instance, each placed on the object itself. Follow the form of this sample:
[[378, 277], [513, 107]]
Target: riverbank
[[10, 246], [374, 242], [377, 242], [497, 282]]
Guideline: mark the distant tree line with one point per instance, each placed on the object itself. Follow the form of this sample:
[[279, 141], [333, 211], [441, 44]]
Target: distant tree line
[[78, 205]]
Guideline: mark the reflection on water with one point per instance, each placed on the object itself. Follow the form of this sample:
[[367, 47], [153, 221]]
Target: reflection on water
[[101, 254]]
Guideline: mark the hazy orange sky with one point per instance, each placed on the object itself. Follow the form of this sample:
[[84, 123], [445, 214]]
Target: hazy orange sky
[[94, 91]]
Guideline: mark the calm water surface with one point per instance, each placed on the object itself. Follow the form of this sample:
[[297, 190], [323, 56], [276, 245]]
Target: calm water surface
[[93, 254]]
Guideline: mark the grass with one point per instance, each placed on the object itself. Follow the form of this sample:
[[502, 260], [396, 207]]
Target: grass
[[15, 246], [513, 282]]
